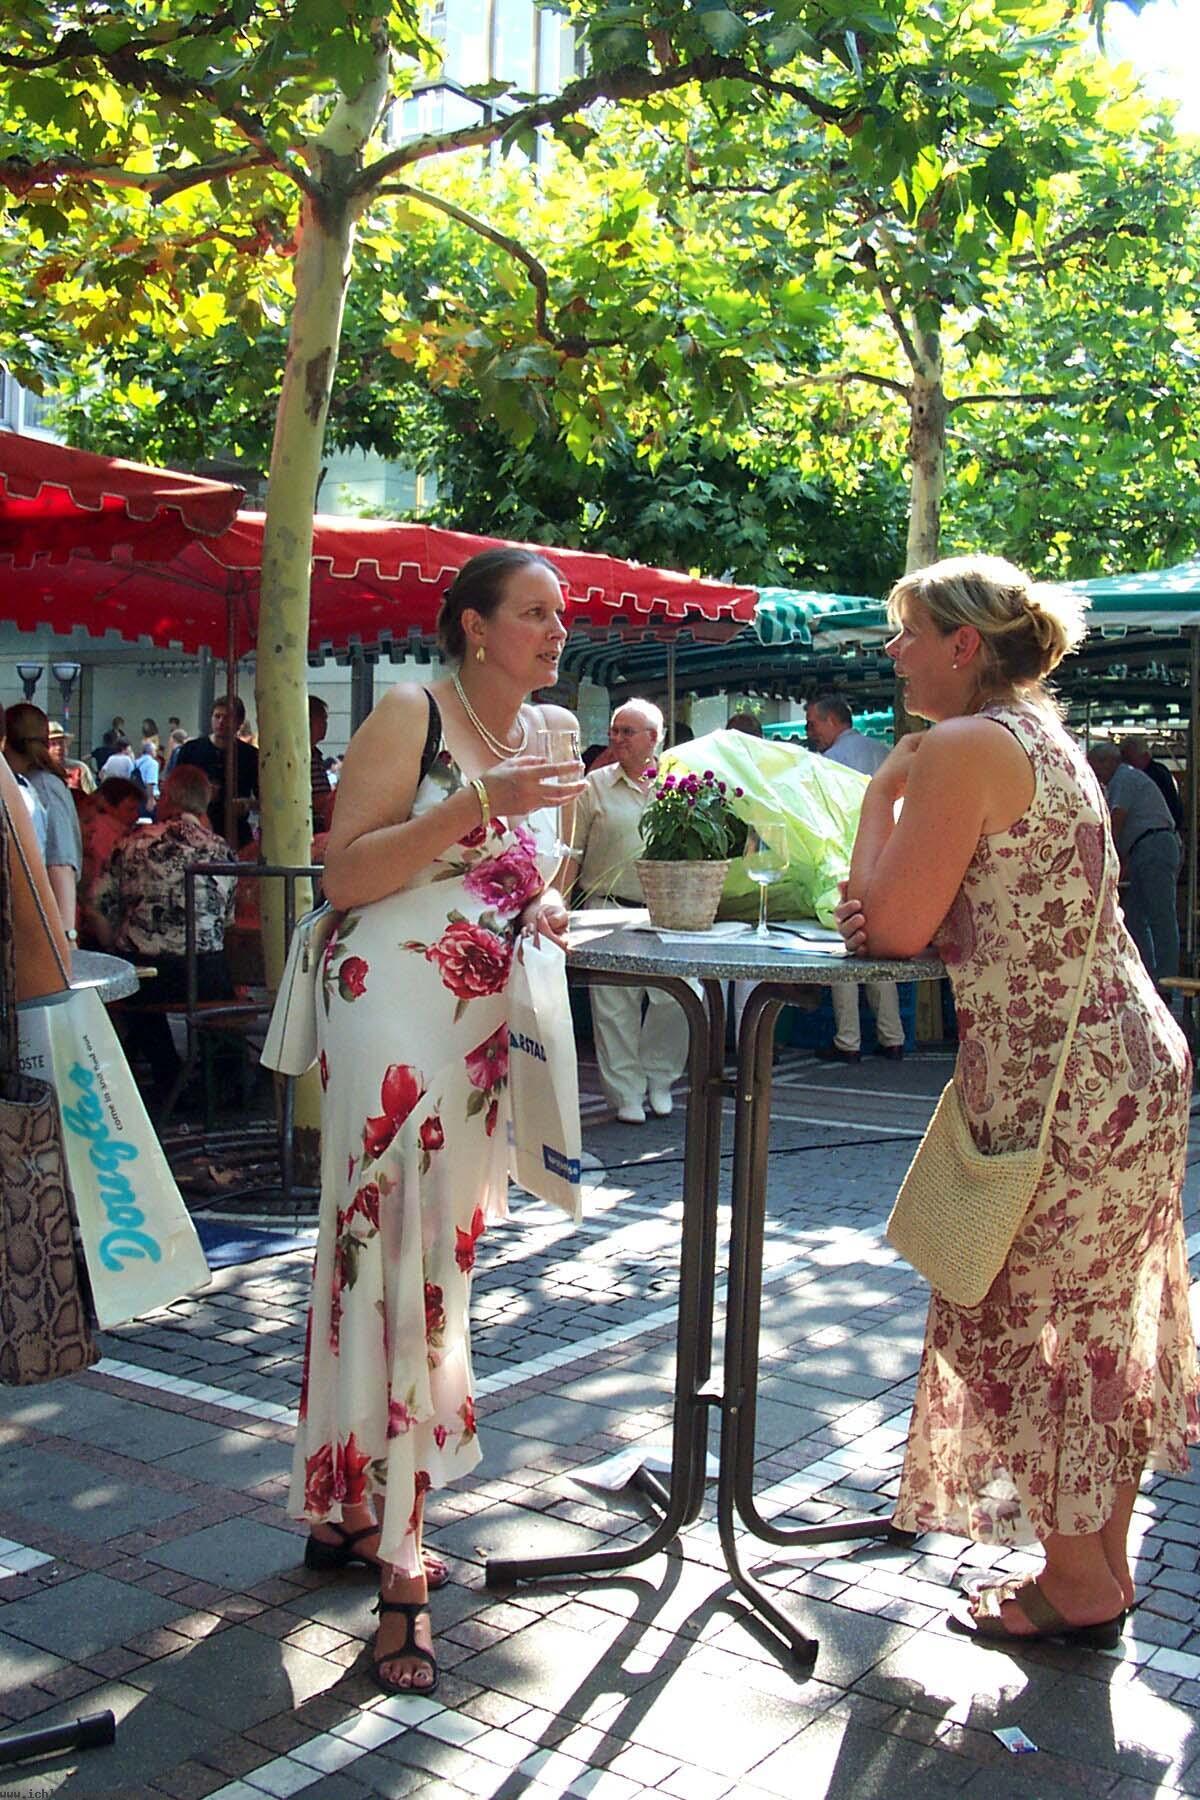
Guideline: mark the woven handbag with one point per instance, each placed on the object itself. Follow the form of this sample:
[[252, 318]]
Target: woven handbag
[[44, 1331], [958, 1211]]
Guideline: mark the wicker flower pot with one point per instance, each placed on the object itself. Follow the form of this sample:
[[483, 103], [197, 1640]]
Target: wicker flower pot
[[682, 896]]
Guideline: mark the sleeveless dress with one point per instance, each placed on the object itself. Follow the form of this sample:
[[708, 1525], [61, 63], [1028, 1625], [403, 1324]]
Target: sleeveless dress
[[413, 1034], [1078, 1368]]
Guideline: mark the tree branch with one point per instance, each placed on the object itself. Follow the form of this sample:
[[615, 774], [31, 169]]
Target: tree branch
[[617, 84], [78, 45], [539, 277], [843, 378], [1069, 394], [866, 258]]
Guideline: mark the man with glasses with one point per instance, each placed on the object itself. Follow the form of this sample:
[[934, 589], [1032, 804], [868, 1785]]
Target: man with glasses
[[639, 1057]]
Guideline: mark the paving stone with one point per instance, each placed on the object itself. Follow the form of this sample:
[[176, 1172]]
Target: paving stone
[[234, 1459], [88, 1614], [48, 1484], [236, 1554], [237, 1678], [149, 1742]]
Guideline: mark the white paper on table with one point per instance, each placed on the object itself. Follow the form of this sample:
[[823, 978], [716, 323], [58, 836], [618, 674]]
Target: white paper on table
[[616, 1472], [727, 928]]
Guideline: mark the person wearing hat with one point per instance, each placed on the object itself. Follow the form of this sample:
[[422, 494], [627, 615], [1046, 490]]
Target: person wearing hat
[[79, 777]]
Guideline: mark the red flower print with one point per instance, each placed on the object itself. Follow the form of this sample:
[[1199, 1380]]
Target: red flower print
[[471, 959], [302, 1410], [487, 1064], [323, 1065], [435, 1313], [366, 1201], [466, 1413], [335, 1303], [1108, 1389], [399, 1092], [352, 977], [465, 1241], [318, 1481], [350, 1474], [493, 1113], [474, 838], [400, 1419], [432, 1134], [439, 1436], [505, 882], [421, 1486]]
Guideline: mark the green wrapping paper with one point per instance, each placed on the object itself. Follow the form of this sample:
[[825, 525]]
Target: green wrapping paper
[[788, 793]]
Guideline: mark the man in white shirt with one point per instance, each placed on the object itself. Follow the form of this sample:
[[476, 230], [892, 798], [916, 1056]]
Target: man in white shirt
[[1150, 854], [634, 1053], [831, 732]]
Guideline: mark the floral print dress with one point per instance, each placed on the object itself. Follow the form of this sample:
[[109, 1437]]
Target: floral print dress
[[1078, 1368], [413, 1034]]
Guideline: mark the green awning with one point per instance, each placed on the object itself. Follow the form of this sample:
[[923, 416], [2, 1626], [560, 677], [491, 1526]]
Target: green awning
[[1151, 600], [803, 616]]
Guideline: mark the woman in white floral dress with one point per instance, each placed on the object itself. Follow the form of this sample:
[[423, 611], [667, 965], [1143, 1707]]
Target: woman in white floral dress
[[438, 853], [1038, 1409]]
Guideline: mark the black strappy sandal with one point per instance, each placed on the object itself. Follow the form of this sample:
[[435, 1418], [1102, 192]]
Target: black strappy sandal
[[343, 1555], [412, 1610]]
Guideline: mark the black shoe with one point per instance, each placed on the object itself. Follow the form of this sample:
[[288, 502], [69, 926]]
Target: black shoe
[[835, 1053], [893, 1052]]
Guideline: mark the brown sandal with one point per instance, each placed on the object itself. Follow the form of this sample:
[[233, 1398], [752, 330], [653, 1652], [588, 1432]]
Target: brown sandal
[[1043, 1615], [343, 1555], [412, 1610]]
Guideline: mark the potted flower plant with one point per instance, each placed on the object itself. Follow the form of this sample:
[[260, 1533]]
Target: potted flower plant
[[690, 831]]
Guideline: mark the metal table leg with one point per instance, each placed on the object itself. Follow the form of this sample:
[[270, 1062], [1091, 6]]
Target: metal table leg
[[735, 1497], [682, 1500]]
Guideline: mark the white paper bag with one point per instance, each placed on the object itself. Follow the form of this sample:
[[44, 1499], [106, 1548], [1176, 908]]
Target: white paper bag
[[141, 1247], [290, 1046], [543, 1126]]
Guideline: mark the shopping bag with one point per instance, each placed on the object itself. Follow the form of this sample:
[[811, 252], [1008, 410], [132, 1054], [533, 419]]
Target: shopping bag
[[290, 1046], [793, 797], [139, 1242], [543, 1078]]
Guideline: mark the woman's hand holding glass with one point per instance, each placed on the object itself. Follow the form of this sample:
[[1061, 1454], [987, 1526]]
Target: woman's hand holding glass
[[766, 860], [524, 784], [559, 745]]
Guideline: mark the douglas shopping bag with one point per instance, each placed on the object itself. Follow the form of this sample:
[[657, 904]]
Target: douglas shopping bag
[[543, 1129], [140, 1244]]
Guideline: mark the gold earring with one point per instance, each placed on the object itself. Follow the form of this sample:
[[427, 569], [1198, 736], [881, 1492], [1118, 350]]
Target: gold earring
[[480, 654]]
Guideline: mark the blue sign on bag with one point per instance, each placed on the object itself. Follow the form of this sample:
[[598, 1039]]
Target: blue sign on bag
[[517, 1040], [565, 1166]]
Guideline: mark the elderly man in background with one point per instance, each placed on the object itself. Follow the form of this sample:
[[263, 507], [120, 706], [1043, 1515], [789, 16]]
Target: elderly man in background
[[1135, 750], [831, 732], [1150, 853], [634, 1053], [79, 777]]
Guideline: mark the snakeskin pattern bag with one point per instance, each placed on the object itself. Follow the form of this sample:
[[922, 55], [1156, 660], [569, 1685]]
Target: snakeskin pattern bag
[[44, 1331]]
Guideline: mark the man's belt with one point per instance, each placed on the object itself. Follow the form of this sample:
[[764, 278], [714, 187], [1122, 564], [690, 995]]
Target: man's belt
[[1150, 831]]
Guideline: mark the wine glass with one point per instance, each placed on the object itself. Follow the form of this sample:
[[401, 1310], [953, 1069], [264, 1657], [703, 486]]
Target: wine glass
[[559, 744], [766, 861]]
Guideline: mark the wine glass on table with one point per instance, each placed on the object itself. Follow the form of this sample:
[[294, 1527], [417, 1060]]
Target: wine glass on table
[[766, 862], [560, 744]]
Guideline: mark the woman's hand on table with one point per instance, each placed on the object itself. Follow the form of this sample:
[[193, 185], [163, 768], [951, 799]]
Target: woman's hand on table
[[547, 917], [851, 921], [525, 784]]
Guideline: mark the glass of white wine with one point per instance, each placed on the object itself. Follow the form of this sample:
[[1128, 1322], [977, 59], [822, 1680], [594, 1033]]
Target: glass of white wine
[[766, 862], [560, 745]]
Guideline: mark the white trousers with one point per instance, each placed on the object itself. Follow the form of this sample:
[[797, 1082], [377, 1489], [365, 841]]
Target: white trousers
[[884, 1001], [632, 1051]]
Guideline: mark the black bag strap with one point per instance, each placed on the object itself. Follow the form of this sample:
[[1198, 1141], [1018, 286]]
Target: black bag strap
[[433, 738]]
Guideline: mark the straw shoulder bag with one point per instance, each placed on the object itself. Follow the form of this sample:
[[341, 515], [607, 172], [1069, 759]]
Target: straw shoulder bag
[[44, 1329], [958, 1211]]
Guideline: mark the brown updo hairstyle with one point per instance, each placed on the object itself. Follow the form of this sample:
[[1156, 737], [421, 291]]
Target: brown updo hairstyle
[[27, 730], [1025, 627], [479, 587]]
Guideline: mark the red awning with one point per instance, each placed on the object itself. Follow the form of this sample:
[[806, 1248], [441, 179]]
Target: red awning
[[111, 551]]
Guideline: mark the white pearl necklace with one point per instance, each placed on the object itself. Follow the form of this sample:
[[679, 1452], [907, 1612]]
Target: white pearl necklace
[[496, 745]]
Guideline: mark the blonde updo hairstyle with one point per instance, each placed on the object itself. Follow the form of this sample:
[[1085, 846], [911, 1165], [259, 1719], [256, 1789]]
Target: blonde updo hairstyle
[[1025, 627]]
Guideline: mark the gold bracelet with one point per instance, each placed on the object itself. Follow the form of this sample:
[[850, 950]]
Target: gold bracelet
[[485, 805]]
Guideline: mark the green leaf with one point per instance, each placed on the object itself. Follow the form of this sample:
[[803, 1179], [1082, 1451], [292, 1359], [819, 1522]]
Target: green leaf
[[723, 29]]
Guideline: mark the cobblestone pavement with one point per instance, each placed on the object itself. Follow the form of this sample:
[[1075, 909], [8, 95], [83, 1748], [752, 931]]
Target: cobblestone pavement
[[147, 1563]]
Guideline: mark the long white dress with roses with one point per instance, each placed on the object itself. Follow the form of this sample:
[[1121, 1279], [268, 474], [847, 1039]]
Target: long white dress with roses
[[414, 1064], [1078, 1367]]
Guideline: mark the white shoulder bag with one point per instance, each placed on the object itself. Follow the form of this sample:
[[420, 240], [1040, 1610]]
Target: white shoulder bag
[[290, 1046]]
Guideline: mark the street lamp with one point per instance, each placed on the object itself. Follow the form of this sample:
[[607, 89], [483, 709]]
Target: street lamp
[[30, 674], [66, 674]]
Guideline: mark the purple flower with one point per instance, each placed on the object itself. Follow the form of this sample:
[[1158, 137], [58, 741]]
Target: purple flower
[[708, 775], [669, 782], [738, 792]]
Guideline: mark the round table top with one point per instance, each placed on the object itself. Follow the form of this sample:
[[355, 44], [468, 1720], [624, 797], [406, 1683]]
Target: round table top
[[618, 940], [112, 977]]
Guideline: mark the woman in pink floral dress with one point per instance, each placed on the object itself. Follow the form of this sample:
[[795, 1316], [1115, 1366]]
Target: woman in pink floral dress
[[440, 845], [1038, 1409]]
